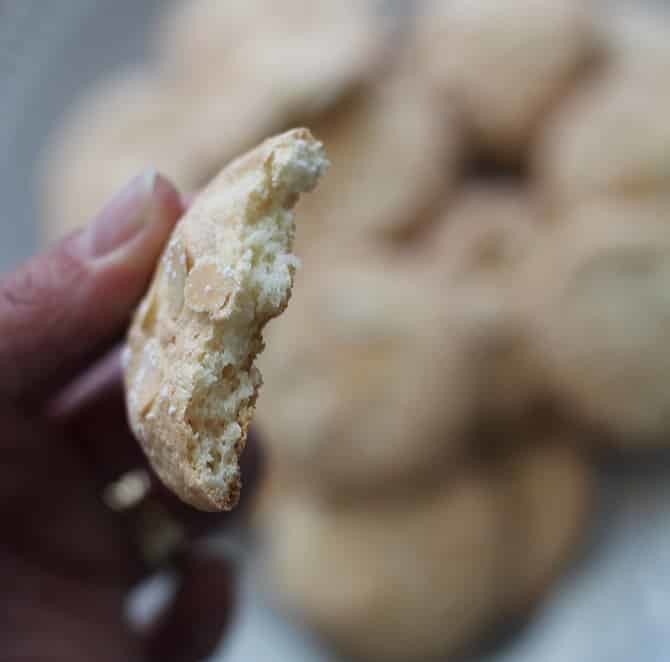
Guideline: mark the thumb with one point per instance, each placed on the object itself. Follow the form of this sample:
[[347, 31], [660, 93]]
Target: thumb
[[63, 308]]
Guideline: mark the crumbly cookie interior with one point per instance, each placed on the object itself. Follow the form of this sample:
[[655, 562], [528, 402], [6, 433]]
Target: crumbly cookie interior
[[253, 273], [227, 270], [226, 380]]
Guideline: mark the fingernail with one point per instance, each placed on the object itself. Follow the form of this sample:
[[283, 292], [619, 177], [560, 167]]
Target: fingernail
[[123, 218]]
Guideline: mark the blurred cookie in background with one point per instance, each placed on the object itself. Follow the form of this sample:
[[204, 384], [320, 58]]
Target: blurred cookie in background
[[504, 64], [254, 68], [130, 122], [225, 76], [395, 156], [610, 137], [550, 487], [437, 571], [308, 53], [598, 302], [119, 127], [393, 581], [478, 247], [367, 389]]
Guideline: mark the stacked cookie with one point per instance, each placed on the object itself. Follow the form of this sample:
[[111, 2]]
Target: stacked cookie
[[482, 300], [220, 78]]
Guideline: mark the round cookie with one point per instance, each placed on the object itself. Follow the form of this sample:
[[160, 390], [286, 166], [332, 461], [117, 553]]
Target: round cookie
[[191, 34], [191, 383], [504, 63], [366, 387], [228, 75], [550, 487], [477, 251], [611, 137], [129, 122], [393, 580], [395, 156], [308, 54], [118, 128], [598, 304], [484, 236]]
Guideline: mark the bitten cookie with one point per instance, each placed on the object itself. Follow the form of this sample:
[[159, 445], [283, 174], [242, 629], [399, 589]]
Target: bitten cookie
[[190, 380]]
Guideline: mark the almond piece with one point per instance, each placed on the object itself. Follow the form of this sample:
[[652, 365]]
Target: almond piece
[[149, 377], [208, 288], [175, 277]]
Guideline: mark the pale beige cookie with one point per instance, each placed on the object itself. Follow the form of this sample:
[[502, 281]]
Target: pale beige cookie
[[202, 31], [551, 494], [611, 137], [393, 580], [365, 389], [191, 382], [305, 54], [597, 296], [477, 251], [396, 155], [129, 122], [485, 236], [226, 75], [503, 63], [121, 126]]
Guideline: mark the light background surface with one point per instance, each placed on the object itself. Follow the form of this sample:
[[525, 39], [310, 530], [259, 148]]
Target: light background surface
[[613, 607]]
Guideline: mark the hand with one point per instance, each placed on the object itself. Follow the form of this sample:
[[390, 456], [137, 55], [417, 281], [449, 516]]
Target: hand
[[66, 560]]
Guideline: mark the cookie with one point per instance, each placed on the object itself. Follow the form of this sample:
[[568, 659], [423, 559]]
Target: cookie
[[610, 138], [393, 581], [550, 487], [477, 250], [118, 128], [190, 378], [130, 121], [223, 53], [504, 63], [225, 75], [396, 157], [365, 391], [597, 300]]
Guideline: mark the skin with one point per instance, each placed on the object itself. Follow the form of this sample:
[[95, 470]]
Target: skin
[[66, 560]]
